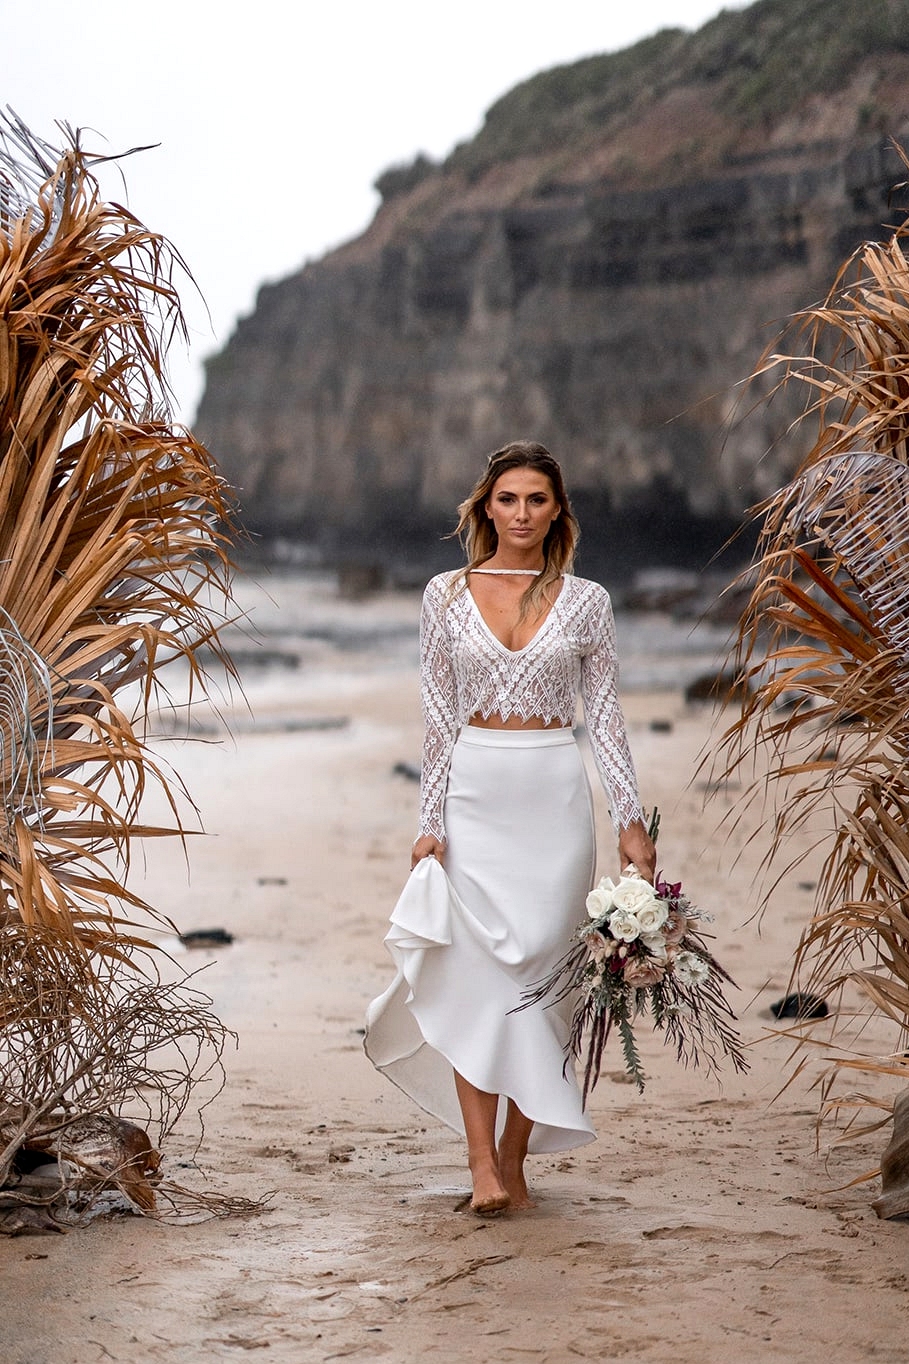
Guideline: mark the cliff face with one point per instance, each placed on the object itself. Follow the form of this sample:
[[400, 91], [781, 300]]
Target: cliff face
[[602, 281]]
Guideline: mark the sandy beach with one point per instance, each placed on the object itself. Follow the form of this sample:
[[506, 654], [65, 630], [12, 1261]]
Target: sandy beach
[[703, 1225]]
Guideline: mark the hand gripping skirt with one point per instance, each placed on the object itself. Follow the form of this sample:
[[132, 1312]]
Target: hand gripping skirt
[[467, 940]]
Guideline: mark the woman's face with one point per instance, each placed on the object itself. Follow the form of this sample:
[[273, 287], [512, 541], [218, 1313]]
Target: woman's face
[[522, 506]]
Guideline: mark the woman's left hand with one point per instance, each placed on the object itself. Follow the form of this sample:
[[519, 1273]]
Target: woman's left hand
[[427, 845], [636, 845]]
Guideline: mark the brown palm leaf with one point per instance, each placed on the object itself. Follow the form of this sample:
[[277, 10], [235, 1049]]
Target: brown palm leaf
[[113, 525], [826, 632]]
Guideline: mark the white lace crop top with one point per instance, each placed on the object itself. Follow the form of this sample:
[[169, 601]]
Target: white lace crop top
[[466, 670]]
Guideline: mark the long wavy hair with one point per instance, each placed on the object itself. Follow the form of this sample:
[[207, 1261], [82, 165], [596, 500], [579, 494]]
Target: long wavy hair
[[477, 532]]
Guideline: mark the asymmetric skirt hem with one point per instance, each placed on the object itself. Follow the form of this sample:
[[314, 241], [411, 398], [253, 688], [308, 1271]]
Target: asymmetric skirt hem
[[468, 939]]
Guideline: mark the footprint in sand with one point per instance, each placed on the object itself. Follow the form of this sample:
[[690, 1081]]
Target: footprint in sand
[[689, 1232]]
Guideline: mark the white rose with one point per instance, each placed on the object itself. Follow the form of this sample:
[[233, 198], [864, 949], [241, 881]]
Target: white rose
[[599, 902], [623, 925], [691, 969], [632, 894], [655, 944], [652, 917]]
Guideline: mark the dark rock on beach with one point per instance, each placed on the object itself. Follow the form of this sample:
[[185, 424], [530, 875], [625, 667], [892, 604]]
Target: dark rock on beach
[[409, 771], [716, 687], [207, 937], [799, 1006]]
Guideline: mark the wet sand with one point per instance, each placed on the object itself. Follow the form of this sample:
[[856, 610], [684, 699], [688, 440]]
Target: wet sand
[[702, 1226]]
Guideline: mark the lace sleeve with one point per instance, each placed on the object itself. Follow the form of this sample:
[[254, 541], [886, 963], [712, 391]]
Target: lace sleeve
[[606, 723], [438, 697]]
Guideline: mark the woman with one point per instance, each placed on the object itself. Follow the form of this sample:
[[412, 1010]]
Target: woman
[[506, 809]]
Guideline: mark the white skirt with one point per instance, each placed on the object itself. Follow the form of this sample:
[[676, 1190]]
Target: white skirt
[[467, 940]]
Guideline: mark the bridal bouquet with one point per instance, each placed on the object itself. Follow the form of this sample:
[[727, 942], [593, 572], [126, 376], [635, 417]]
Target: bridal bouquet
[[641, 950]]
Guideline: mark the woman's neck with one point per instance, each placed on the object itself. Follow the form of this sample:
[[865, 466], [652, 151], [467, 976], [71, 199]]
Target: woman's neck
[[517, 563]]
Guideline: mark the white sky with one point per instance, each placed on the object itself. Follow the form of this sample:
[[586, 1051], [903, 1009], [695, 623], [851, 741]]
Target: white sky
[[275, 117]]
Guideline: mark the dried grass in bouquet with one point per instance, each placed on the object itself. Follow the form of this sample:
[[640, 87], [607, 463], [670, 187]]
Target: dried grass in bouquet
[[824, 649], [642, 950], [113, 546]]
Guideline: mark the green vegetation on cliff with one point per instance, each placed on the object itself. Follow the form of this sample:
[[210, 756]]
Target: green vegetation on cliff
[[758, 63]]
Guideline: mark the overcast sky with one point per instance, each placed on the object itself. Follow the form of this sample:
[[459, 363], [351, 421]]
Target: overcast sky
[[275, 118]]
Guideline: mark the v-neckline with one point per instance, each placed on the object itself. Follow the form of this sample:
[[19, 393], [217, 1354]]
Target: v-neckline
[[543, 624]]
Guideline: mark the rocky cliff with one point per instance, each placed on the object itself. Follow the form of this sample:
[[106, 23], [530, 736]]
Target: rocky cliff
[[599, 269]]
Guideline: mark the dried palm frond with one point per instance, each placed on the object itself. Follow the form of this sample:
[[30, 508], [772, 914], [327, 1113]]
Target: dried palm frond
[[26, 165], [824, 641], [113, 563], [112, 538]]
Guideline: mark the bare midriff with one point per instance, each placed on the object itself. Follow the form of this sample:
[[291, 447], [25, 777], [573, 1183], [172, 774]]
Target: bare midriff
[[495, 721]]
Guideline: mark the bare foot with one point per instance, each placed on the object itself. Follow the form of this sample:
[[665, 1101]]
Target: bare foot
[[489, 1194], [512, 1174]]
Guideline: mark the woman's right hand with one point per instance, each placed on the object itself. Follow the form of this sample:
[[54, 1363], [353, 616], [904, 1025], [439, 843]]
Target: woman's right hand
[[427, 846]]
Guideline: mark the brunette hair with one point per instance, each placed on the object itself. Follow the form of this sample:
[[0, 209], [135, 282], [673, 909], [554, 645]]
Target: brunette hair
[[478, 534]]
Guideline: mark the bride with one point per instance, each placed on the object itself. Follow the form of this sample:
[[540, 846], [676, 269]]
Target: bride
[[507, 642]]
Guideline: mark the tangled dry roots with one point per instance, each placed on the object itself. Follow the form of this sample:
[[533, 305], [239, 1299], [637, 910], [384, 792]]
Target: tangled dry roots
[[93, 1057]]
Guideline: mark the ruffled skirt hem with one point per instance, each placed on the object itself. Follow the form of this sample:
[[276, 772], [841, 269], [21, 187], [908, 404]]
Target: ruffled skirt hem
[[468, 939]]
